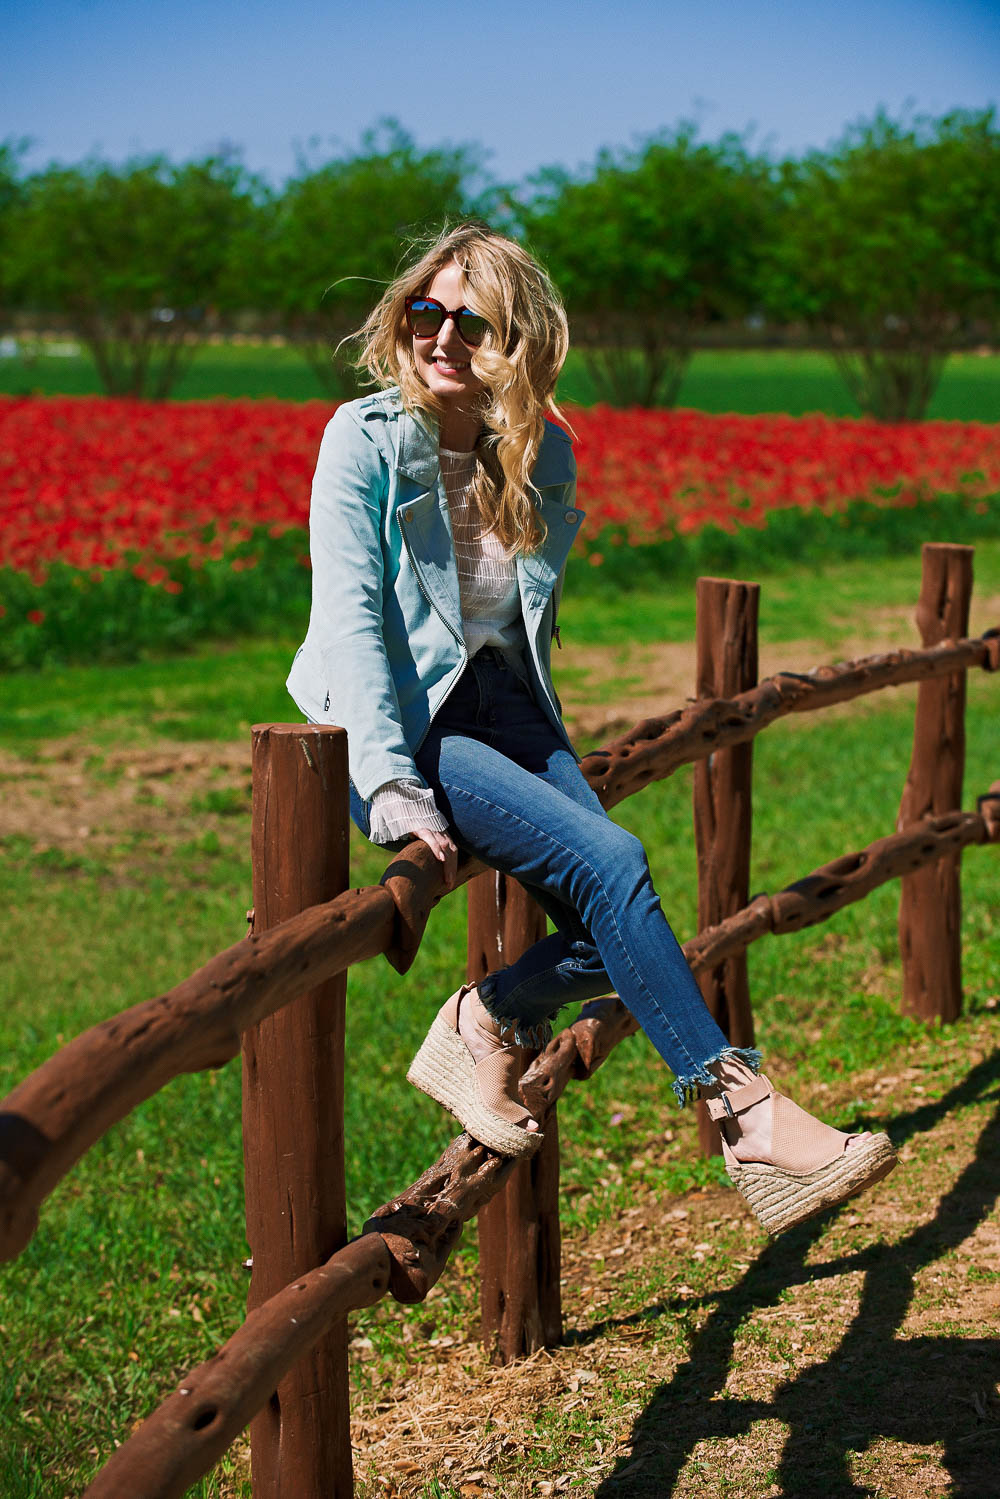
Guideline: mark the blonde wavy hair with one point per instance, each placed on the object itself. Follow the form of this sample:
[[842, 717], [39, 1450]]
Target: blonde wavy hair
[[518, 363]]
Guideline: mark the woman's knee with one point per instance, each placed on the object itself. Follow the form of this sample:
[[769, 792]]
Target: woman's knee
[[617, 859], [626, 847]]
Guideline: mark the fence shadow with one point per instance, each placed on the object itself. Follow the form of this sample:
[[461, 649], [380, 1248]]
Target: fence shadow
[[920, 1390]]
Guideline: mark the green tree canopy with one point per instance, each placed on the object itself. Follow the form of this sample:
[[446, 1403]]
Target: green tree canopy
[[890, 243], [649, 246], [11, 193], [133, 258], [322, 252]]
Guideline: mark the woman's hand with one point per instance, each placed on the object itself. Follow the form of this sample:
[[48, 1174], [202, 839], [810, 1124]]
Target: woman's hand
[[442, 847]]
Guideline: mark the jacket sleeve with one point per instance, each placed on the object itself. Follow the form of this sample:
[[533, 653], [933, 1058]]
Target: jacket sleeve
[[349, 492]]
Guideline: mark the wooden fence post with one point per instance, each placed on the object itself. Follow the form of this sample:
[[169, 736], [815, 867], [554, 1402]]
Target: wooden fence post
[[726, 639], [930, 899], [293, 1108], [519, 1238]]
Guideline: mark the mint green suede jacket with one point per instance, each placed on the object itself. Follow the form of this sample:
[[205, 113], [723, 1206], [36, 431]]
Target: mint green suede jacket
[[384, 645]]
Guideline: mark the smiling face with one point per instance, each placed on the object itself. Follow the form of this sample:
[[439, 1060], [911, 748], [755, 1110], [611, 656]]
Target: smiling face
[[443, 362]]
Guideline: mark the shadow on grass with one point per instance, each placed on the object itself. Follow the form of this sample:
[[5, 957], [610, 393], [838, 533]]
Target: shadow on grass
[[920, 1390]]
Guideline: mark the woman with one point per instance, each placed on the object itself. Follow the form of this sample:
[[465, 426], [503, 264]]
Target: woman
[[443, 511]]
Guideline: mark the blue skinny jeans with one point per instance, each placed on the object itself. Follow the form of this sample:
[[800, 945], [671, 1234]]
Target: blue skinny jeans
[[515, 796]]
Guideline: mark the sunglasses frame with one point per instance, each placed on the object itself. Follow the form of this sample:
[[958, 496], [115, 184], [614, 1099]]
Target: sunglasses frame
[[454, 313]]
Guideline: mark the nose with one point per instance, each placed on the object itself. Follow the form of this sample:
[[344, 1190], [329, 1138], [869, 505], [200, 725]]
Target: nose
[[448, 334]]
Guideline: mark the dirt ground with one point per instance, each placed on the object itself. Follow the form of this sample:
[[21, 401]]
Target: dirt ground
[[80, 800]]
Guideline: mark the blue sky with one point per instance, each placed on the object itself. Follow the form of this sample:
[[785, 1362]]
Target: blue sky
[[535, 83]]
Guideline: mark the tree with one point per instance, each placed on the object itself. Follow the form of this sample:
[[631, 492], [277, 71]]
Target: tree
[[648, 247], [11, 193], [891, 245], [325, 248], [133, 259]]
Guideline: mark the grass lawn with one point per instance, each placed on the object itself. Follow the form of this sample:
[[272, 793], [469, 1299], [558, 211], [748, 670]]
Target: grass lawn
[[795, 381], [125, 833]]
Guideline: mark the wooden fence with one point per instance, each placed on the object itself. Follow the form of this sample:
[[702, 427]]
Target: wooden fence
[[282, 994]]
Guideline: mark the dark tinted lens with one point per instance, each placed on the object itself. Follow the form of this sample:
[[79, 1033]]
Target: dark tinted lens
[[425, 317], [472, 327]]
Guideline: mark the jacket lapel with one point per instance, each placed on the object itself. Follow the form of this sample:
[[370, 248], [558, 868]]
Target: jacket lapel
[[537, 574], [425, 520], [426, 527]]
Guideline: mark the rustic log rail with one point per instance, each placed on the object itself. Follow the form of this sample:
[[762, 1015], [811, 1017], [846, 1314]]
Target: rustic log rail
[[657, 747], [55, 1115]]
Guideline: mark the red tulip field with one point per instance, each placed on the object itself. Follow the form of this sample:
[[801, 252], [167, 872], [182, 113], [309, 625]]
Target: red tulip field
[[129, 525]]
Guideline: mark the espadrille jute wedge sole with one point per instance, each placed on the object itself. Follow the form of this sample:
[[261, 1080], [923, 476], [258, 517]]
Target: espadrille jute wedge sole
[[445, 1070], [821, 1169], [782, 1199]]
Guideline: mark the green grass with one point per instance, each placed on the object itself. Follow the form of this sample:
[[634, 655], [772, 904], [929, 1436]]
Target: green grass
[[134, 1273], [755, 380]]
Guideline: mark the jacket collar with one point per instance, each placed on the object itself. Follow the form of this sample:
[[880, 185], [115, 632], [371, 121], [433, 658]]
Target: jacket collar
[[417, 446]]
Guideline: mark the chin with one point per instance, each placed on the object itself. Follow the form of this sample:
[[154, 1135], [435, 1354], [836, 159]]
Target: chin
[[446, 386]]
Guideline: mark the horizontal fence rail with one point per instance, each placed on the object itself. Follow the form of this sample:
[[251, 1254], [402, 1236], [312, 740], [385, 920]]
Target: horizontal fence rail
[[657, 747], [406, 1244], [210, 1407], [54, 1116]]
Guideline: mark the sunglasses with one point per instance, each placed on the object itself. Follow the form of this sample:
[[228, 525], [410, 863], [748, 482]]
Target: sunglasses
[[425, 318]]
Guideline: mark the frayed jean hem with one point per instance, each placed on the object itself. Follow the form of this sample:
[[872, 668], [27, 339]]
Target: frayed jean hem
[[535, 1037], [534, 1032], [686, 1089], [528, 1008]]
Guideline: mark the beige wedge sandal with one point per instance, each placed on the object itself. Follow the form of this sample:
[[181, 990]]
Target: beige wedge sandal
[[482, 1095], [819, 1168]]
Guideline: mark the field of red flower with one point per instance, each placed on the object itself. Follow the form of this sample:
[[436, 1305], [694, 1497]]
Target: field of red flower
[[104, 503], [664, 473]]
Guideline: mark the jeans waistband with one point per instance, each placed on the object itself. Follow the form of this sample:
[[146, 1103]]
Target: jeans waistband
[[492, 655]]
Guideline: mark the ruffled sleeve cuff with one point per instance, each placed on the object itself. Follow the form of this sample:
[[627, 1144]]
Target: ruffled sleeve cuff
[[400, 806]]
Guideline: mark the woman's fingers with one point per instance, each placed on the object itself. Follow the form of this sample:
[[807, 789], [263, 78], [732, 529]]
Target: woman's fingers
[[450, 863], [442, 847]]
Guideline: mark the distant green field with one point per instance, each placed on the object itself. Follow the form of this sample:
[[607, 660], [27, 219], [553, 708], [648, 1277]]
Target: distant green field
[[755, 380]]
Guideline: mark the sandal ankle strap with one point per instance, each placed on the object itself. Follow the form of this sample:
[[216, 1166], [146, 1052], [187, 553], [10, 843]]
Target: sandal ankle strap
[[732, 1101]]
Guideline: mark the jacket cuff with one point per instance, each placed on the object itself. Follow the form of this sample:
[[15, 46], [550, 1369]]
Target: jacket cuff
[[400, 806]]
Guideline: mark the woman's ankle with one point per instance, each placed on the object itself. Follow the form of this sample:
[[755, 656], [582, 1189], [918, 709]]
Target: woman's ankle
[[732, 1072], [747, 1130], [747, 1121], [483, 1037], [477, 1027], [471, 1024]]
